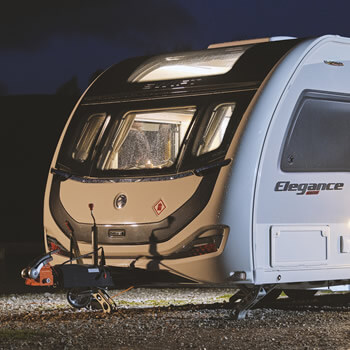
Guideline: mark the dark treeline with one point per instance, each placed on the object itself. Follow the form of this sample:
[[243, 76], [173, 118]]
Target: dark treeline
[[31, 127]]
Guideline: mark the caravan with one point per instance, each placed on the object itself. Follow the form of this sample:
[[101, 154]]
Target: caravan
[[224, 167]]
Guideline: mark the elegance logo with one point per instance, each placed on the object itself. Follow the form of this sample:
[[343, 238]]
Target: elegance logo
[[307, 188]]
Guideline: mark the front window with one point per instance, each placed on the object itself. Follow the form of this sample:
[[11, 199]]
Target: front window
[[151, 137], [146, 139]]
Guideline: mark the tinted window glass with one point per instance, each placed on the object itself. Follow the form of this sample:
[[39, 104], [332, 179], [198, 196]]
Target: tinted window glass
[[318, 139], [146, 139], [216, 128], [87, 137]]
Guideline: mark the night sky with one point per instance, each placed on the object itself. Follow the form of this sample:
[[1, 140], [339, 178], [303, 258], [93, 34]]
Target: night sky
[[43, 44]]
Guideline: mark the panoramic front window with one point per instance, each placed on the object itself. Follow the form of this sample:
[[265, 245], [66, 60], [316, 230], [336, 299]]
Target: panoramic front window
[[146, 139], [151, 137]]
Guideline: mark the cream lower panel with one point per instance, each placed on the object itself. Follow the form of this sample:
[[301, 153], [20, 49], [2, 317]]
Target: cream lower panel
[[142, 199], [202, 269], [207, 218], [165, 248]]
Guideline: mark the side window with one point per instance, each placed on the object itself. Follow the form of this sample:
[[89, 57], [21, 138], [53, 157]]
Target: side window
[[216, 128], [318, 139]]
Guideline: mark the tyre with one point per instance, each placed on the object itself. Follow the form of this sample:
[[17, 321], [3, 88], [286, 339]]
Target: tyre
[[79, 298]]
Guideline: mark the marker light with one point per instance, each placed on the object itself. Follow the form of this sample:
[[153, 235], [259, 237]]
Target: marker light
[[204, 249], [199, 246]]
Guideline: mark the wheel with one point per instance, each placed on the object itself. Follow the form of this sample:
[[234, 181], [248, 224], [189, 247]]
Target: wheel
[[299, 294], [79, 298]]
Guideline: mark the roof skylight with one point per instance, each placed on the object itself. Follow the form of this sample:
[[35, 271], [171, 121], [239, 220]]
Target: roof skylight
[[188, 65]]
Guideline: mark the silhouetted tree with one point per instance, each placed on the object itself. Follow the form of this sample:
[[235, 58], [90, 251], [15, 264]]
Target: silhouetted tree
[[69, 88]]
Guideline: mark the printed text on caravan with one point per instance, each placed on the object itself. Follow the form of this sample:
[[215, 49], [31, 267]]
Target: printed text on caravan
[[307, 188]]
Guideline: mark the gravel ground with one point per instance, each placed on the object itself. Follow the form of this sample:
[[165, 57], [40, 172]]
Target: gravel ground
[[167, 319]]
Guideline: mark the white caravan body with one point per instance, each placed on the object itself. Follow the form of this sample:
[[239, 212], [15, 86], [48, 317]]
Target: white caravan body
[[251, 184]]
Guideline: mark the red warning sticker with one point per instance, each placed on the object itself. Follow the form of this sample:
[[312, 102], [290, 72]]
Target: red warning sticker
[[159, 207]]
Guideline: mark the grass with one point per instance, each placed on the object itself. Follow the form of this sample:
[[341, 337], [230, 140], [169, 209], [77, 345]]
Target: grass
[[226, 297], [21, 334]]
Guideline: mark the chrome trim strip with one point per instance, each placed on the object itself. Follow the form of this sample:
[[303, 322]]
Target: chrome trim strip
[[119, 179], [197, 172]]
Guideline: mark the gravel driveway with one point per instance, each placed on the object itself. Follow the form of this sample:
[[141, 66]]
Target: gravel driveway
[[167, 319]]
